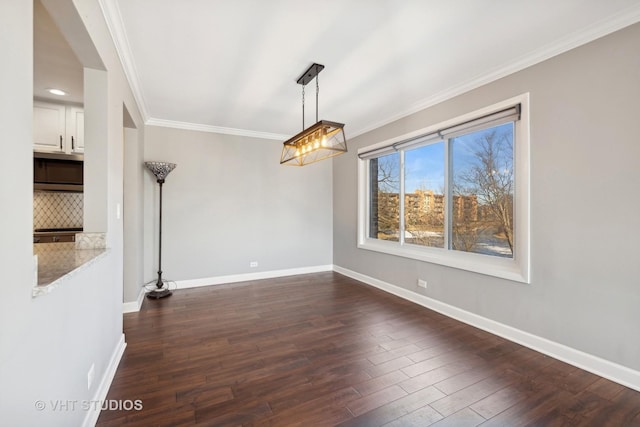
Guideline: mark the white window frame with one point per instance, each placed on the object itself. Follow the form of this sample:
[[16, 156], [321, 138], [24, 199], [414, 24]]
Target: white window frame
[[516, 268]]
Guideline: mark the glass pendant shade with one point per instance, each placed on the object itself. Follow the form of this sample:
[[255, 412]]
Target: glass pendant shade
[[318, 142], [160, 169]]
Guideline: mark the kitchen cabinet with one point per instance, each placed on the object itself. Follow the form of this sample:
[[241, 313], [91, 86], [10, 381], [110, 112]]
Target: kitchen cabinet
[[58, 128], [75, 125]]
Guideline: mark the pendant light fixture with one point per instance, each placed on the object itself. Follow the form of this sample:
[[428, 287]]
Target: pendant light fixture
[[320, 141]]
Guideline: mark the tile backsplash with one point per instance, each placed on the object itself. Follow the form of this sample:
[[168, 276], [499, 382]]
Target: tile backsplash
[[57, 210]]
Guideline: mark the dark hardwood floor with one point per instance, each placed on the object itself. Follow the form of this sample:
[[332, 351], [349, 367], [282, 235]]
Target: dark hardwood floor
[[324, 350]]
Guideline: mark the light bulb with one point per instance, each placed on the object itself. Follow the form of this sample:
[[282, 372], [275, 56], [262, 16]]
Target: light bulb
[[324, 137], [58, 92]]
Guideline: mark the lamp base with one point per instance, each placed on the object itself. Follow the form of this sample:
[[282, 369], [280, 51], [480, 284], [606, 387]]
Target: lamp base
[[159, 293]]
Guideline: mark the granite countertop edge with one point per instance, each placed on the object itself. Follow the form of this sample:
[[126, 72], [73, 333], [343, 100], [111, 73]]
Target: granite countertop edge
[[45, 289]]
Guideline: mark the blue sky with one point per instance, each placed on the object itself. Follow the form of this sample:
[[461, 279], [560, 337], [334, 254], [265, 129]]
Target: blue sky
[[424, 166]]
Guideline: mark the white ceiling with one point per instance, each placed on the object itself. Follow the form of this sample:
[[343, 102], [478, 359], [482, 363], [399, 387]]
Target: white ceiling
[[231, 66], [55, 66]]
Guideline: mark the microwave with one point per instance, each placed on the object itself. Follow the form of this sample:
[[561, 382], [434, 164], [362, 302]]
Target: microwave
[[58, 172]]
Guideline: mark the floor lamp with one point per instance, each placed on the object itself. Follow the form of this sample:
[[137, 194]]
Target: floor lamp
[[160, 170]]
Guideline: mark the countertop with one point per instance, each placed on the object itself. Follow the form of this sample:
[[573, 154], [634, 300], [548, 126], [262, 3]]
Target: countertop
[[58, 261]]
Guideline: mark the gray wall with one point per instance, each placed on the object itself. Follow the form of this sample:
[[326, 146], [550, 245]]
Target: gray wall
[[133, 211], [585, 222], [48, 343], [229, 202]]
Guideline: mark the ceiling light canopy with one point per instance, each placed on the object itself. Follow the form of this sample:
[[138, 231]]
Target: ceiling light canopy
[[320, 141]]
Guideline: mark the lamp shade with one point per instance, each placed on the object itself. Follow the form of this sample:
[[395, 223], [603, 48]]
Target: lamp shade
[[160, 169], [318, 142]]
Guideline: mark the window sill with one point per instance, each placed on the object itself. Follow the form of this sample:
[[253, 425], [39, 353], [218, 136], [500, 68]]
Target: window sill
[[504, 268]]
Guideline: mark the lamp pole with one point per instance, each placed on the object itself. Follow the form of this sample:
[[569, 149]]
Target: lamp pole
[[159, 283], [160, 170]]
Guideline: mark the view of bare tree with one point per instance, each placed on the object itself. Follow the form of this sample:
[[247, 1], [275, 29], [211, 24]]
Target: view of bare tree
[[465, 235], [388, 173], [385, 181], [490, 179]]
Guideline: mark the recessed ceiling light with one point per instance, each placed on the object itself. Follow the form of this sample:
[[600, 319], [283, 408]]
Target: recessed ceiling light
[[57, 92]]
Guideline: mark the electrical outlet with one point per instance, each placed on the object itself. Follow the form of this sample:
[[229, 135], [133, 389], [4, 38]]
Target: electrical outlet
[[91, 375], [422, 283], [253, 264]]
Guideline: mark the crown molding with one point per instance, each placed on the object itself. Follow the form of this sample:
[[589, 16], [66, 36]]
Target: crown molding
[[215, 129], [600, 29], [113, 18]]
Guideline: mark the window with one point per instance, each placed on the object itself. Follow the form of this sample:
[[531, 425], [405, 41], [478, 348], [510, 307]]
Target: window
[[454, 194], [482, 185], [385, 197], [424, 195]]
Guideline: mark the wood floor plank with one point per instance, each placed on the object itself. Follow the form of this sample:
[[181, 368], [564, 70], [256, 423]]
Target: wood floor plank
[[375, 400], [407, 350], [424, 416], [379, 383], [465, 417], [328, 408], [435, 376], [498, 402], [390, 366], [530, 411], [468, 396], [464, 379], [414, 369], [396, 409], [605, 388], [324, 350]]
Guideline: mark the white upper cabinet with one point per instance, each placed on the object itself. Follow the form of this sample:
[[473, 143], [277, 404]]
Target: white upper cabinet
[[75, 129], [48, 127], [58, 128]]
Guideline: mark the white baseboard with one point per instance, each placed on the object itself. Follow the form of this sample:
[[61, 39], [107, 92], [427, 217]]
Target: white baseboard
[[620, 374], [221, 280], [91, 418], [133, 306]]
